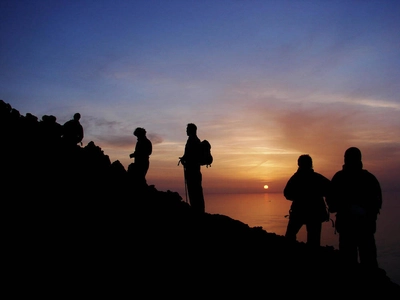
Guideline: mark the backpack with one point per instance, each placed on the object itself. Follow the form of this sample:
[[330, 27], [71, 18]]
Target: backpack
[[206, 158]]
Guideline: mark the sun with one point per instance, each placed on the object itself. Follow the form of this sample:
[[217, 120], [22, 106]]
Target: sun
[[265, 187]]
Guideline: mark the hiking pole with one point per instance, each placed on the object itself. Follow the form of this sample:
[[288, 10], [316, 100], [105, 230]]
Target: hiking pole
[[186, 193], [184, 177]]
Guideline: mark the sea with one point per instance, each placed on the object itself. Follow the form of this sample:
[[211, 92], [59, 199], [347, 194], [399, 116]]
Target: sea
[[270, 210]]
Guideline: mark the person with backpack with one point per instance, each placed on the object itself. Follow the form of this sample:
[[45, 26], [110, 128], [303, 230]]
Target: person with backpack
[[356, 199], [307, 189], [192, 169], [141, 155]]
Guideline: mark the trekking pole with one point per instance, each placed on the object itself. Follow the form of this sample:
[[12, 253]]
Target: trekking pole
[[184, 177], [186, 193]]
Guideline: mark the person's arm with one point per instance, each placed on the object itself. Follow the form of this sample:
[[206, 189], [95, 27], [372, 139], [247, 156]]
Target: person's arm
[[133, 154], [289, 190], [331, 197], [378, 194]]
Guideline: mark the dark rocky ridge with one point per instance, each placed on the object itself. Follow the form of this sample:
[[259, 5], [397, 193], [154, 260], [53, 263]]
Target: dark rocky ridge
[[76, 224]]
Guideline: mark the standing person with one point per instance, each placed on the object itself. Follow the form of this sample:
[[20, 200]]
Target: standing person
[[192, 172], [73, 131], [307, 189], [357, 199], [141, 155]]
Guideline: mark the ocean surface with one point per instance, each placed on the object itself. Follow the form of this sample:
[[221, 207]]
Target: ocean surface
[[268, 211]]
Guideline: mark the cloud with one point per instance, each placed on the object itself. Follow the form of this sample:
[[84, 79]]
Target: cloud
[[155, 138], [116, 142]]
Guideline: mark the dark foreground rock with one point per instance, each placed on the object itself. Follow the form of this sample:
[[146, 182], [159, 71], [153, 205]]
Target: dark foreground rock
[[77, 225]]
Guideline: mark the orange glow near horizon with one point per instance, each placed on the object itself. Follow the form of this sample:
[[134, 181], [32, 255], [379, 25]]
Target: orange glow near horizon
[[244, 168]]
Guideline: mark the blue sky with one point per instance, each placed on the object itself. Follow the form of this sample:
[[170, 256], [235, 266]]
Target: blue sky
[[265, 81]]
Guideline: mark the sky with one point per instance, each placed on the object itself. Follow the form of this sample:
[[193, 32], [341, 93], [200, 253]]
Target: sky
[[264, 81]]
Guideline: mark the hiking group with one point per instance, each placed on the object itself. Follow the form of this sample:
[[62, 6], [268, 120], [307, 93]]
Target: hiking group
[[196, 154], [353, 193]]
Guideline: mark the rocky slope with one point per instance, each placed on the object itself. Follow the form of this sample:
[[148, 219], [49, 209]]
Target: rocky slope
[[76, 224]]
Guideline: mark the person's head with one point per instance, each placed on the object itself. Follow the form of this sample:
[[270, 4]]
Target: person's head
[[191, 129], [305, 162], [77, 116], [139, 132], [353, 157]]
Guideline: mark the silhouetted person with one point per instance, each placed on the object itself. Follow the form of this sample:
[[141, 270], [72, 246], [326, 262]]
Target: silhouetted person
[[192, 172], [73, 131], [307, 190], [357, 199], [143, 150]]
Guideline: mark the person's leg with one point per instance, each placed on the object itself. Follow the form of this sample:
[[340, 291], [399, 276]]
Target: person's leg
[[314, 233], [195, 190], [348, 248], [141, 170], [293, 228], [368, 251], [146, 165]]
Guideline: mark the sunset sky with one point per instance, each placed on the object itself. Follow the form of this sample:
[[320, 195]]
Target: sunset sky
[[264, 81]]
